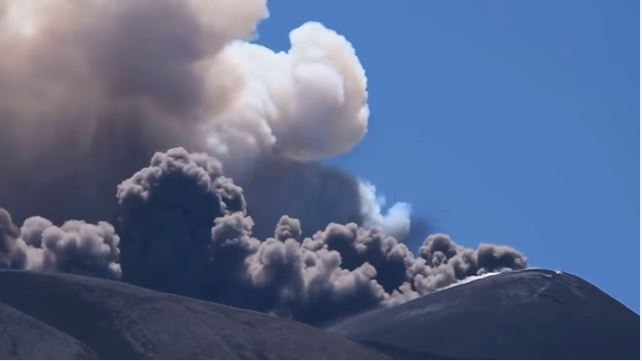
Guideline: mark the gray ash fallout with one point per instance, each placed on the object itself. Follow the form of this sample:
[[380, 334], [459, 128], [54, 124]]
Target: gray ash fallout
[[236, 133]]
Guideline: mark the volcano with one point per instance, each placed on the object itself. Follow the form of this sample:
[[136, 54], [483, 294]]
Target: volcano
[[528, 314]]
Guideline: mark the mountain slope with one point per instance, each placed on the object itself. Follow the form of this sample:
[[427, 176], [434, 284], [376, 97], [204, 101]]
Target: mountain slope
[[22, 337], [529, 314], [81, 317]]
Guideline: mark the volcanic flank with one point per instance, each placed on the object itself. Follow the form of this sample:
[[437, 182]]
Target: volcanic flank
[[67, 316], [528, 314]]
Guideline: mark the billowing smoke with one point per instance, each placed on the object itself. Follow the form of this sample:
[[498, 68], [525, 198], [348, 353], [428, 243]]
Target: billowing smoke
[[394, 222], [239, 210], [185, 229], [443, 262], [12, 253], [168, 210], [361, 245], [92, 89], [75, 247]]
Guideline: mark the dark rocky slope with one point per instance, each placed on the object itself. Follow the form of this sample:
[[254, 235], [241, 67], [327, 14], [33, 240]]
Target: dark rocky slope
[[529, 314], [67, 316], [22, 337]]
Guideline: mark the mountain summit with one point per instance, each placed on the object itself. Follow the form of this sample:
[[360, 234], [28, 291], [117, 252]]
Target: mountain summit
[[528, 314]]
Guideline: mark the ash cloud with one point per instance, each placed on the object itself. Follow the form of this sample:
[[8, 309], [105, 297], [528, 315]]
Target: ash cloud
[[92, 89], [183, 231], [181, 235], [239, 210], [12, 253], [442, 262], [184, 228], [359, 245], [167, 210], [74, 247]]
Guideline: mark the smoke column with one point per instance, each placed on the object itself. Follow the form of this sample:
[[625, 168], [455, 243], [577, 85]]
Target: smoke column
[[92, 89]]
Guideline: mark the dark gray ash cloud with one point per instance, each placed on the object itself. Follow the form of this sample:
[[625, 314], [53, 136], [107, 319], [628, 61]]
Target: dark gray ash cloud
[[180, 234], [74, 247], [12, 254], [184, 228], [359, 245]]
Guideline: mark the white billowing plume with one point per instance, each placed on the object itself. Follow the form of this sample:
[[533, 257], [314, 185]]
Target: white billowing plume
[[307, 103], [395, 221]]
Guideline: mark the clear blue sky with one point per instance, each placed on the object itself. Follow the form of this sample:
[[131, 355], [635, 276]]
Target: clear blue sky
[[513, 122]]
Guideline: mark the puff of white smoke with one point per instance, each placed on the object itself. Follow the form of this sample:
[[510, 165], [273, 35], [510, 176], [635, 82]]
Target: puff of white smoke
[[75, 247], [307, 103], [394, 222]]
